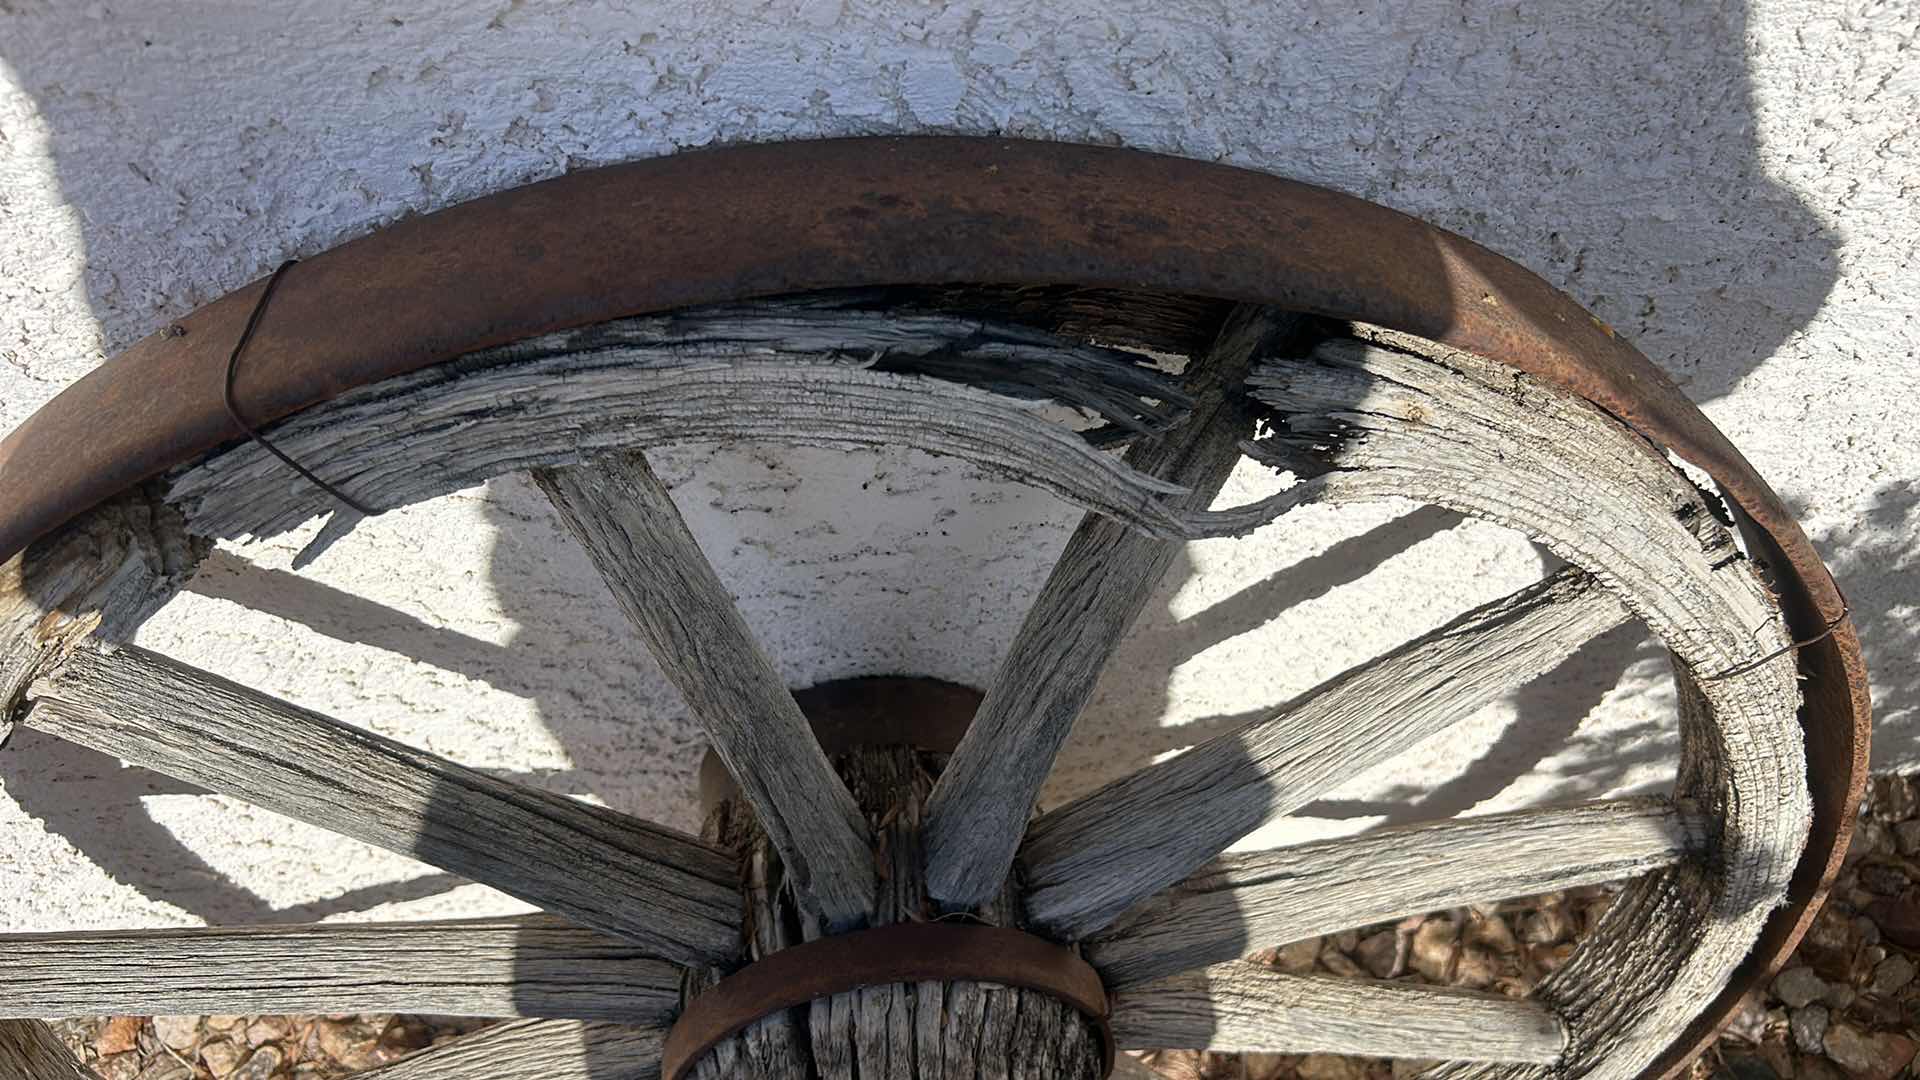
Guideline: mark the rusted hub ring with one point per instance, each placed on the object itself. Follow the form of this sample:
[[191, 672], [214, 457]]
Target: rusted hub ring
[[902, 953], [729, 224]]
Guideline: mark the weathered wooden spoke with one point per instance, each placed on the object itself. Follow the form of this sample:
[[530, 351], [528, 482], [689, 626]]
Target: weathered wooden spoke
[[29, 1050], [1242, 903], [1103, 579], [1096, 856], [501, 967], [624, 516], [1243, 1007], [669, 893], [537, 1050]]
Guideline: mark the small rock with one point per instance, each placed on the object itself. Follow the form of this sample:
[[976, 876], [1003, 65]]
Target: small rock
[[1891, 975], [404, 1036], [1896, 800], [179, 1032], [1840, 996], [1547, 926], [1261, 1066], [1297, 958], [121, 1034], [1884, 880], [1548, 958], [1869, 836], [1816, 1068], [166, 1068], [1865, 930], [220, 1057], [353, 1042], [1749, 1022], [1329, 1067], [1376, 953], [1748, 1067], [1433, 947], [1491, 932], [1899, 920], [1476, 968], [1799, 987], [225, 1022], [1340, 964], [1906, 836], [1831, 932], [1809, 1027], [1407, 1068], [260, 1066], [1876, 1057], [268, 1029], [122, 1066], [1345, 940]]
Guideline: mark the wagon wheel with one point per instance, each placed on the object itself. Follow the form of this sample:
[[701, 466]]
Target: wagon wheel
[[928, 293]]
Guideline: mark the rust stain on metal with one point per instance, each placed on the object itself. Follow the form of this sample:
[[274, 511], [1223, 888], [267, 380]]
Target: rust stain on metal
[[741, 222], [902, 953]]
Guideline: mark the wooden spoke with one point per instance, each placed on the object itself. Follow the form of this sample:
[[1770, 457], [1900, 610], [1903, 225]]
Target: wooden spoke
[[626, 519], [1091, 859], [503, 967], [669, 893], [1245, 1007], [29, 1050], [1242, 903], [537, 1050], [1104, 578]]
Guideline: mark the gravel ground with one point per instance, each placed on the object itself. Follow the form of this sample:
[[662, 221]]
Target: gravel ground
[[1847, 1005]]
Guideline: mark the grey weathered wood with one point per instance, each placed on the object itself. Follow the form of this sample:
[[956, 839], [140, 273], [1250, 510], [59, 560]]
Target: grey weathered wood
[[537, 1050], [667, 892], [923, 1031], [98, 577], [29, 1050], [625, 518], [1393, 416], [1247, 1007], [1104, 577], [850, 383], [1093, 858], [1242, 903], [499, 967]]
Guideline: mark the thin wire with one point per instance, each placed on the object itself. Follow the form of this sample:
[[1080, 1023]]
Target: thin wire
[[233, 411], [1846, 609]]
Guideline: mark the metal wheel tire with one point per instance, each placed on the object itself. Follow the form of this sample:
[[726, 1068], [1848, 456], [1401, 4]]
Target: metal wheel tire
[[1360, 336]]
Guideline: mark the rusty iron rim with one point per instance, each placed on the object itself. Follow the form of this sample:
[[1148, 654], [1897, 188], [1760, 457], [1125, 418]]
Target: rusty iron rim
[[729, 224]]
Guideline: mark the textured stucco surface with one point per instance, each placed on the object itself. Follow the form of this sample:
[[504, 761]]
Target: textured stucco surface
[[1733, 187]]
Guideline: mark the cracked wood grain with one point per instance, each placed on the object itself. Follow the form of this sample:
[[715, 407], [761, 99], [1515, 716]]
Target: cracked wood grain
[[1245, 902], [664, 891], [1246, 1007], [29, 1050], [1393, 416], [1094, 857], [625, 518], [988, 394], [1103, 579], [537, 1050], [500, 967]]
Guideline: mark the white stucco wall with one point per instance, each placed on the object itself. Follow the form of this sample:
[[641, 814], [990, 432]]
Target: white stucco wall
[[1733, 187]]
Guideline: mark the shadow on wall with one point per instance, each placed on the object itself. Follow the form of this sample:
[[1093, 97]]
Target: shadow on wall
[[1612, 151]]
